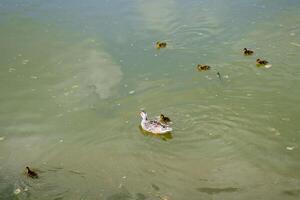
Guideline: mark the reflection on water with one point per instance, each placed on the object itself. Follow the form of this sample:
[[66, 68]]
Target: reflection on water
[[74, 74], [91, 72], [159, 15]]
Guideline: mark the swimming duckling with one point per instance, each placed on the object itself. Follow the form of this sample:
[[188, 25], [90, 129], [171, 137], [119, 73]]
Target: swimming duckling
[[219, 75], [203, 67], [261, 62], [164, 119], [248, 52], [31, 173], [161, 45]]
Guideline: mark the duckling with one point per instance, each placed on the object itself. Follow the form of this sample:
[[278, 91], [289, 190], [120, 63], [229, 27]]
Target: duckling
[[261, 62], [31, 173], [164, 119], [161, 45], [219, 75], [203, 67], [248, 52]]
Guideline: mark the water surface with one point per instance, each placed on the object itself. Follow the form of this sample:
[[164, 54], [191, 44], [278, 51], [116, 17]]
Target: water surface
[[75, 74]]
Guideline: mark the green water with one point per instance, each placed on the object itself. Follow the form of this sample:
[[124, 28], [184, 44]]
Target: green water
[[67, 69]]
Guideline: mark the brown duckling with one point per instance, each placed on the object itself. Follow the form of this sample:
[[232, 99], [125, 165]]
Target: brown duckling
[[248, 52], [161, 45], [203, 67], [164, 119], [261, 62], [31, 173]]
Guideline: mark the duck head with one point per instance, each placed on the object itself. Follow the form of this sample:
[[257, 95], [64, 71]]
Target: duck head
[[28, 169], [143, 115]]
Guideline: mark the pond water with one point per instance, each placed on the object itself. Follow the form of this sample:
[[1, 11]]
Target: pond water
[[75, 75]]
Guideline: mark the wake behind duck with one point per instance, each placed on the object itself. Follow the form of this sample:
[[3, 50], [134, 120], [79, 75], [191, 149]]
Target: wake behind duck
[[153, 126]]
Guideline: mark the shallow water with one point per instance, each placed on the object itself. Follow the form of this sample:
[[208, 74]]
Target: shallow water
[[74, 76]]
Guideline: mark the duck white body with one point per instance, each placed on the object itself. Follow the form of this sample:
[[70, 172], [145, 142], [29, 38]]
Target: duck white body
[[153, 126]]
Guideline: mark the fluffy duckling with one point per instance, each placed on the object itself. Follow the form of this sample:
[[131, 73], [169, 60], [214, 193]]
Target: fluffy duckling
[[203, 67], [164, 119], [31, 173], [261, 62], [248, 52], [161, 45]]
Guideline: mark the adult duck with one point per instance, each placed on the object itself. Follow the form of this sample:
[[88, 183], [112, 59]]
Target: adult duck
[[153, 126]]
